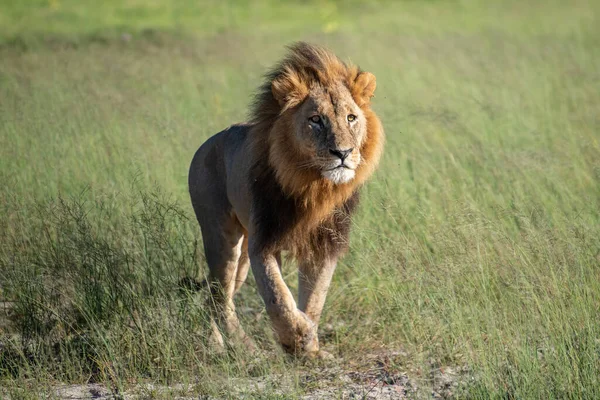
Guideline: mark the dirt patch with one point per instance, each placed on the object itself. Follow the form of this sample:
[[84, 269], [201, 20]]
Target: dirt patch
[[89, 391], [377, 377]]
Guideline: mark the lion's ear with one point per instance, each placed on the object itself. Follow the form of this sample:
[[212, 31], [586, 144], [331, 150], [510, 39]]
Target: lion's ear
[[289, 90], [363, 88]]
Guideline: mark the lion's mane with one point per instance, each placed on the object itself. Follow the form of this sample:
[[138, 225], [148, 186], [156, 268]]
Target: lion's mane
[[296, 209]]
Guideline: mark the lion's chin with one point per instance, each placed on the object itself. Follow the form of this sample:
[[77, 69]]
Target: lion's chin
[[339, 175]]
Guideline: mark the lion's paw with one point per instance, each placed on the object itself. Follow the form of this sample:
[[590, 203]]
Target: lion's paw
[[302, 339]]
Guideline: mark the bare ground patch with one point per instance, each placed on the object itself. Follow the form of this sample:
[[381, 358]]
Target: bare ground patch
[[374, 377]]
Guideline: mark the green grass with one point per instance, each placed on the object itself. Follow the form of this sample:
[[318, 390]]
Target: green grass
[[477, 245]]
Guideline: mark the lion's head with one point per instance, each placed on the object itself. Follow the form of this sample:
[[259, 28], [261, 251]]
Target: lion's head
[[314, 125], [328, 127]]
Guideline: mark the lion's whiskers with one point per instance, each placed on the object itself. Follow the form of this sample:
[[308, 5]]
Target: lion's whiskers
[[314, 163]]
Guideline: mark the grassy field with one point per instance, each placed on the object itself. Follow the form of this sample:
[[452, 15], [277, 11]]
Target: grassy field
[[475, 254]]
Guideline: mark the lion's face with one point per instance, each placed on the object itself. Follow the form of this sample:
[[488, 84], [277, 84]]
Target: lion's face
[[324, 125], [329, 130]]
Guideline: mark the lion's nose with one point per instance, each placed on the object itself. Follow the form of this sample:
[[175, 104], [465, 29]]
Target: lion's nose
[[342, 154]]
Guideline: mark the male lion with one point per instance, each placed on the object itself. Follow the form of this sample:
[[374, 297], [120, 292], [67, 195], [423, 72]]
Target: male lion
[[287, 181]]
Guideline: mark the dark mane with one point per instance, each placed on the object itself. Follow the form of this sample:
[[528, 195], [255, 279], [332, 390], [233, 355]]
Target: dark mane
[[276, 214]]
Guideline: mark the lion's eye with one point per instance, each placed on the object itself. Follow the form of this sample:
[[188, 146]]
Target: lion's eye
[[315, 118], [351, 117]]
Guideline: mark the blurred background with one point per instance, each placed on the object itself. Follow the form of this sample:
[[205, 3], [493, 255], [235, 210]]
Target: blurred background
[[473, 269]]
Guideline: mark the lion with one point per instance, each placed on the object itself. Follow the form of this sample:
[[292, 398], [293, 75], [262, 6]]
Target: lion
[[287, 181]]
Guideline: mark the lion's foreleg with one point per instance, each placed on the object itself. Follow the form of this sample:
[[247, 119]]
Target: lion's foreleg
[[296, 332], [313, 283]]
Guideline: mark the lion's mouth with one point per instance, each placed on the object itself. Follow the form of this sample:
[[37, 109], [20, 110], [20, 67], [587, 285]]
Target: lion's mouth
[[341, 166], [339, 174]]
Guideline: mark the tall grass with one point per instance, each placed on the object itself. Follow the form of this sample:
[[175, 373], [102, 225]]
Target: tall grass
[[98, 298], [476, 248]]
